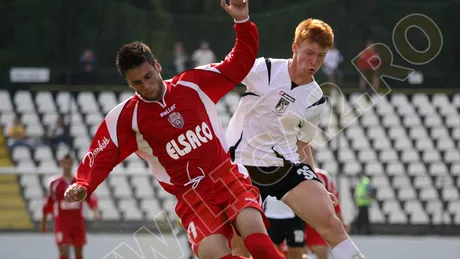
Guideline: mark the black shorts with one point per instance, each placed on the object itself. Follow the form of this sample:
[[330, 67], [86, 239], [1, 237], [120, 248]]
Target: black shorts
[[292, 230], [277, 181]]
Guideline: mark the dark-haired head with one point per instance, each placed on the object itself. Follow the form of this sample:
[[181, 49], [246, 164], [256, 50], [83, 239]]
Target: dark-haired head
[[136, 63]]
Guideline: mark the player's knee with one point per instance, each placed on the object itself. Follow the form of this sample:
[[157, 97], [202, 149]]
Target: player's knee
[[63, 250], [78, 251], [330, 226], [250, 221], [213, 247]]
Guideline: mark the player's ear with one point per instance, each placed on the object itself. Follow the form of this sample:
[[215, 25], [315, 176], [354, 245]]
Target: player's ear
[[158, 66], [294, 48]]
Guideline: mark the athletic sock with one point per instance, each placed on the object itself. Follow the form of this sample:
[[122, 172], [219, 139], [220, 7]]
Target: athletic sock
[[260, 246], [347, 250]]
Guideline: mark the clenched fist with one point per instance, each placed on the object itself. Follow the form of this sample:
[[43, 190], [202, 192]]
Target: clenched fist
[[75, 193]]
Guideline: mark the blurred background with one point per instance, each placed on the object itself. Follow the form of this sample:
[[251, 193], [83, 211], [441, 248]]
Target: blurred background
[[58, 81]]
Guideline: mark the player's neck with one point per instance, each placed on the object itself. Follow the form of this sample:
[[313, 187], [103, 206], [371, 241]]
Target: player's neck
[[297, 76], [67, 175]]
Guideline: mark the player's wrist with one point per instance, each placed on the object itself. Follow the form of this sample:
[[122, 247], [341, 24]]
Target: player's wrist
[[241, 19]]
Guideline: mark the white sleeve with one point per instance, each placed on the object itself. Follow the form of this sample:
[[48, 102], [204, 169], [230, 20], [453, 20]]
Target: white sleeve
[[257, 79]]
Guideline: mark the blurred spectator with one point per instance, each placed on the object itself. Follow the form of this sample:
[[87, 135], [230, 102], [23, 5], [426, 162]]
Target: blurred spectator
[[204, 55], [57, 134], [87, 67], [17, 134], [331, 64], [363, 200], [180, 58], [368, 63]]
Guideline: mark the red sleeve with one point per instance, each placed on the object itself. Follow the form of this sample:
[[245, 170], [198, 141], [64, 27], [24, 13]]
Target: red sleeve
[[236, 65], [337, 208], [104, 153], [92, 201], [49, 202]]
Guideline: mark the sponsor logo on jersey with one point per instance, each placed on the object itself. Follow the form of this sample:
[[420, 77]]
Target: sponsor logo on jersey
[[168, 110], [306, 172], [91, 155], [176, 120], [188, 141], [287, 96]]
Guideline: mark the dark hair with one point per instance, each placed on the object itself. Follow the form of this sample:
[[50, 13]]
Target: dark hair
[[66, 156], [132, 55]]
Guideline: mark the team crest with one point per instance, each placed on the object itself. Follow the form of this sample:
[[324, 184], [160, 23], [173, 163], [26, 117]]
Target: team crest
[[176, 120], [282, 105]]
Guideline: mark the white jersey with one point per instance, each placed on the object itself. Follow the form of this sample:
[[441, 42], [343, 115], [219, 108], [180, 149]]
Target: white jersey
[[276, 209], [273, 115]]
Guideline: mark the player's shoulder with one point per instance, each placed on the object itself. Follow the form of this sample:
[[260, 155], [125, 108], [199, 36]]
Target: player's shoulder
[[53, 181]]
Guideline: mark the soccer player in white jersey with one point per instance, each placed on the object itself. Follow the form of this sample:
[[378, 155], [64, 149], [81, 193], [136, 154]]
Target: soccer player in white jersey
[[271, 131]]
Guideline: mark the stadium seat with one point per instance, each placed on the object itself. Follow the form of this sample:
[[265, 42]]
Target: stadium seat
[[142, 187], [416, 212], [121, 188], [45, 102], [108, 101], [151, 208], [23, 101], [130, 210], [108, 210]]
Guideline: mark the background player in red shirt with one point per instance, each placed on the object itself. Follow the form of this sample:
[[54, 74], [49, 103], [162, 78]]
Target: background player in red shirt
[[69, 223], [174, 126], [314, 242]]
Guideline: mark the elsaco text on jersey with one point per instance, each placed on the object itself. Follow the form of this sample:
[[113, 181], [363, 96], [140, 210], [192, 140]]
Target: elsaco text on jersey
[[188, 141]]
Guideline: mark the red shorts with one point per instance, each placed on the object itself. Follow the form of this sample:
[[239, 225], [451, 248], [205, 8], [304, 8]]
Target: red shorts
[[70, 235], [213, 212], [312, 238]]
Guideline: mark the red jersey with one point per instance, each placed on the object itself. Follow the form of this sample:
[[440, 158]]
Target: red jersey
[[368, 60], [64, 212], [180, 136], [327, 181]]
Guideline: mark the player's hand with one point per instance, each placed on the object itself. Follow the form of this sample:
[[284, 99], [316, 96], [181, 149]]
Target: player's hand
[[238, 9], [97, 215], [43, 227], [333, 199], [346, 226], [75, 193]]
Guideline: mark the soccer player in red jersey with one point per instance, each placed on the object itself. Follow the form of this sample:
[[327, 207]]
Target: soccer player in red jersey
[[314, 242], [174, 126], [69, 223]]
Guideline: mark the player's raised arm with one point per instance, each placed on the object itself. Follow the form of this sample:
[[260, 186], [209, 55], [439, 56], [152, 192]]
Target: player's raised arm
[[103, 155], [240, 60]]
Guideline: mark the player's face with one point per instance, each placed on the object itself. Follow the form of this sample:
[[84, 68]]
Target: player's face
[[66, 163], [308, 56], [146, 81]]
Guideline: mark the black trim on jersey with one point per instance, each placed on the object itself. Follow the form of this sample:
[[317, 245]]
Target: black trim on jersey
[[320, 101], [233, 148], [293, 85], [250, 93], [268, 63]]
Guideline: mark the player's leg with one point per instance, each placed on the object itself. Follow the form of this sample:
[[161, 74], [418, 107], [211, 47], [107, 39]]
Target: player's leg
[[78, 250], [310, 201], [316, 244], [63, 251], [78, 238], [250, 224], [238, 248], [213, 247]]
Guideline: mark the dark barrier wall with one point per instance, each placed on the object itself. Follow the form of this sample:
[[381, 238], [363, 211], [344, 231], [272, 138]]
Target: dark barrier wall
[[53, 34]]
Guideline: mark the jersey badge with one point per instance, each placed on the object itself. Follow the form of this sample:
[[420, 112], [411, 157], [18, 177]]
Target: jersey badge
[[176, 120]]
